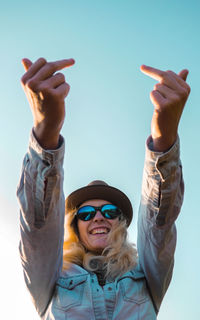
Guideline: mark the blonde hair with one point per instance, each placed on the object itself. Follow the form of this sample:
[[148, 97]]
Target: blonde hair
[[117, 258]]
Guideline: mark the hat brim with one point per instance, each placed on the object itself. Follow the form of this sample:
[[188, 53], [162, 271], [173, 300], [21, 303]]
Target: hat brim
[[105, 192]]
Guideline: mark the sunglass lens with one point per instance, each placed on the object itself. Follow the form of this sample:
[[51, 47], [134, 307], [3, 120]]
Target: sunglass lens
[[110, 211], [86, 213]]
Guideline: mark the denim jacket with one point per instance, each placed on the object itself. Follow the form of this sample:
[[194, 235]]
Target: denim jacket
[[75, 293]]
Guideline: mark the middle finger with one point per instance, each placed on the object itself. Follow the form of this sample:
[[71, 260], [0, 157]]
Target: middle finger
[[163, 77], [51, 67]]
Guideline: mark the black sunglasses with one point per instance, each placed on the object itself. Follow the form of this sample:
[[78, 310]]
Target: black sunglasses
[[108, 211]]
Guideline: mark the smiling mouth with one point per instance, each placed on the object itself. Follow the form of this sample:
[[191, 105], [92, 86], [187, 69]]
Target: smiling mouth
[[99, 231]]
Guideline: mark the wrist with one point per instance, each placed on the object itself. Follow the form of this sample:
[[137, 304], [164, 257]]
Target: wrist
[[48, 139], [163, 132], [163, 144]]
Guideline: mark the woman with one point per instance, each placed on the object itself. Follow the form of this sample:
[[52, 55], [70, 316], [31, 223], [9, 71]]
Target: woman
[[96, 232], [97, 275]]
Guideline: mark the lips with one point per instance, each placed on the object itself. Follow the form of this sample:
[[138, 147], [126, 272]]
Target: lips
[[99, 230]]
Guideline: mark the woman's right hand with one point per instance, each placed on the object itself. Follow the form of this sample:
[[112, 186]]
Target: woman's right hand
[[46, 92]]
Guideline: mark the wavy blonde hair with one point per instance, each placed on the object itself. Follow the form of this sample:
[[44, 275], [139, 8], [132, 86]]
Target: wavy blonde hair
[[117, 258]]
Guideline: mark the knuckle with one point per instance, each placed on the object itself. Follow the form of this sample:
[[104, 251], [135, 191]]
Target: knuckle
[[42, 60], [44, 87], [50, 92], [51, 66], [188, 89], [23, 79], [64, 91], [60, 76], [31, 84], [152, 93], [162, 73], [67, 88], [164, 76], [157, 86], [183, 93], [169, 72]]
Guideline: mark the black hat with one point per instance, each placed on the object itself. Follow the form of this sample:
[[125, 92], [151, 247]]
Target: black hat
[[100, 190]]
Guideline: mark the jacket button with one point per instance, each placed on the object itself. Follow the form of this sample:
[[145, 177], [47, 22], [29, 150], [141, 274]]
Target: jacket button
[[71, 282], [110, 289]]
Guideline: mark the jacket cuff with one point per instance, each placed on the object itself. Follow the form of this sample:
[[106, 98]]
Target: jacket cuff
[[164, 163], [49, 157]]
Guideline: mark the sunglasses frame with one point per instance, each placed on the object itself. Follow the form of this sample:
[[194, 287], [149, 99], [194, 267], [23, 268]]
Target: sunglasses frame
[[99, 209]]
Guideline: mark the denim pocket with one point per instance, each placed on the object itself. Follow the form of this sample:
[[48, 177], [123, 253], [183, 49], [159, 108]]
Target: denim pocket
[[69, 292], [134, 289]]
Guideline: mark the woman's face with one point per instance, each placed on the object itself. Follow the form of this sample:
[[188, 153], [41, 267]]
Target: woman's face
[[94, 233]]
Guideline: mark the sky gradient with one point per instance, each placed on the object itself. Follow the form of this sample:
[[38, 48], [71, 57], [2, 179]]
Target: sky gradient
[[108, 116]]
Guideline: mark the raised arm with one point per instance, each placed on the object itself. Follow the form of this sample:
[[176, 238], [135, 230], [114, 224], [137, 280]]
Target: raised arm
[[163, 188], [40, 191]]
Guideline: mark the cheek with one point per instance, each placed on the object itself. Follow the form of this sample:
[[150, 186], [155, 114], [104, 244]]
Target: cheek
[[114, 223], [82, 229]]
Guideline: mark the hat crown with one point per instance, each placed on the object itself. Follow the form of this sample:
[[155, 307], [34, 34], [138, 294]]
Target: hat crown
[[97, 183]]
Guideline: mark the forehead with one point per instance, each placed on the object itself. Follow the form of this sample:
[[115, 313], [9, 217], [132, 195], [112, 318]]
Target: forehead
[[94, 202]]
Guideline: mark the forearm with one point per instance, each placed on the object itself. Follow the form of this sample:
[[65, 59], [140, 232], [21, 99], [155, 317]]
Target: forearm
[[41, 220], [162, 196]]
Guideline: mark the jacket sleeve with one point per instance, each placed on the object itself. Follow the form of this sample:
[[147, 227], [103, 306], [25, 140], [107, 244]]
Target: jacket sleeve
[[162, 197], [42, 210]]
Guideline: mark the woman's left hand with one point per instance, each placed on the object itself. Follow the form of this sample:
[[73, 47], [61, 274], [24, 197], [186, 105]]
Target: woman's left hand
[[168, 97]]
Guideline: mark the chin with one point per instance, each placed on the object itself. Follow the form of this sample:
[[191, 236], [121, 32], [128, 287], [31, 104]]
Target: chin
[[98, 250]]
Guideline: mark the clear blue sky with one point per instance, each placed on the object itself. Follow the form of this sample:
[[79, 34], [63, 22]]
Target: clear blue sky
[[108, 116]]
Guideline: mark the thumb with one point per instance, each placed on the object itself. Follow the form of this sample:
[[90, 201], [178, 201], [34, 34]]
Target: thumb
[[183, 74], [26, 63]]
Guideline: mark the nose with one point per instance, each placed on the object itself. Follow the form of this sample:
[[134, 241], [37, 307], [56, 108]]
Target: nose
[[98, 216]]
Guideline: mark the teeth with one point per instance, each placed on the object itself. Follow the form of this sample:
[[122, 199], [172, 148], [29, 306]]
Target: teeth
[[99, 230]]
